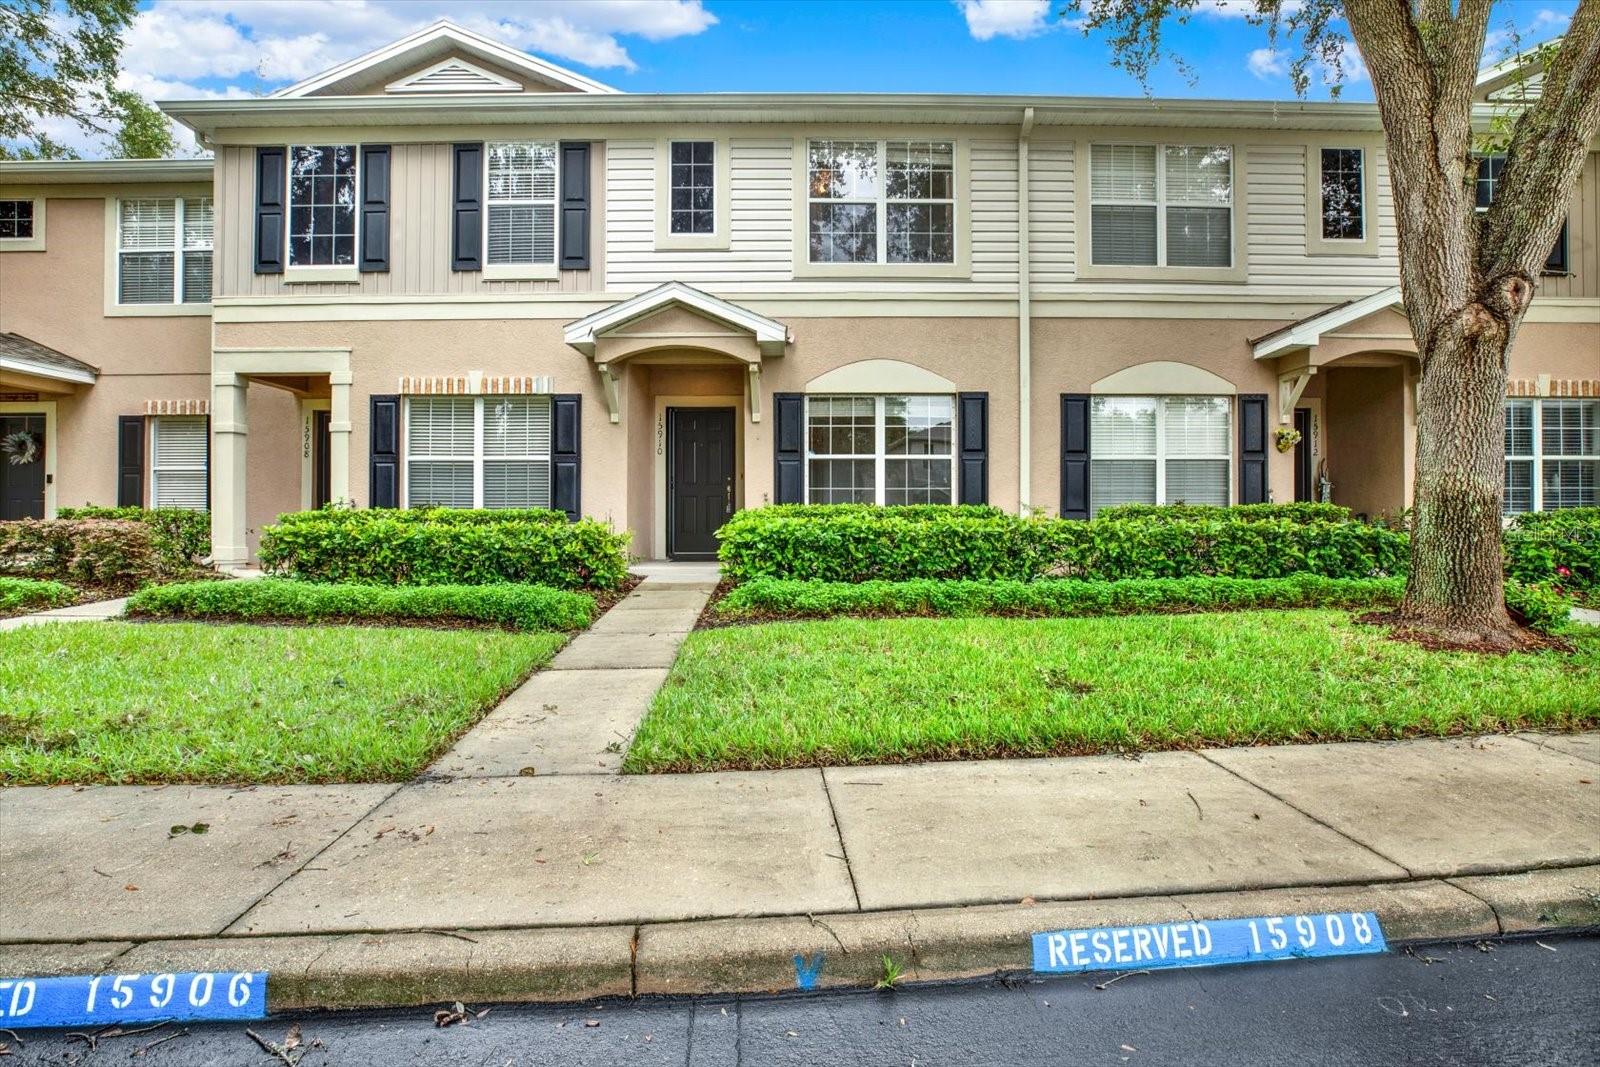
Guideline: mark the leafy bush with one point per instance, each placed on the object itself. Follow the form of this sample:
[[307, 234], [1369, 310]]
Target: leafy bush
[[854, 547], [1292, 512], [447, 516], [26, 594], [768, 597], [1541, 607], [520, 607], [180, 535], [111, 554], [919, 512], [393, 548], [1556, 548]]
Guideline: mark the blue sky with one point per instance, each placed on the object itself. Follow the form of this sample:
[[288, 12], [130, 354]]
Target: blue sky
[[185, 48]]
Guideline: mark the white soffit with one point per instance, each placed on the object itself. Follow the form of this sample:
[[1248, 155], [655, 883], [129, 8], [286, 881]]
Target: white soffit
[[880, 376], [1162, 378], [770, 334], [1309, 331]]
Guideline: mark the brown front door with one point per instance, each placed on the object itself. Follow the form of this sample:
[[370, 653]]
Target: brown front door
[[700, 474], [22, 446]]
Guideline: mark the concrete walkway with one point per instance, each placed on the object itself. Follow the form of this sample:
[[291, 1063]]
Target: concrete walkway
[[97, 611], [578, 716]]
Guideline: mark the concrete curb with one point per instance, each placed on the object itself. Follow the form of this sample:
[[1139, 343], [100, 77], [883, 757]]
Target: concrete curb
[[766, 954]]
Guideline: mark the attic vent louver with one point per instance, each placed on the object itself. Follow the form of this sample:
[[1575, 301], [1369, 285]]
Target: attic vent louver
[[455, 76]]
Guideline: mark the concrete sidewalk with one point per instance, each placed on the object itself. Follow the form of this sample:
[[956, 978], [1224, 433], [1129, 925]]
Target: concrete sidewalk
[[570, 885]]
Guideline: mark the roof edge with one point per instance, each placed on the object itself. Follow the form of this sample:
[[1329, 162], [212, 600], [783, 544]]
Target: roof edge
[[120, 171]]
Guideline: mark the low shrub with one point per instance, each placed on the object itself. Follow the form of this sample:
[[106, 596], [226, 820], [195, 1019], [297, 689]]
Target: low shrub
[[916, 512], [1051, 598], [18, 595], [180, 535], [852, 547], [519, 607], [446, 516], [1556, 548], [394, 549], [110, 554], [1541, 607], [1293, 512]]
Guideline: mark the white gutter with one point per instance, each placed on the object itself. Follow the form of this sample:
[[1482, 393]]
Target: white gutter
[[1024, 321]]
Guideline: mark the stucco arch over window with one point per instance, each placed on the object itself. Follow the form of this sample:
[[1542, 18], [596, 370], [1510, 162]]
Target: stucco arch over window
[[1163, 378], [880, 376]]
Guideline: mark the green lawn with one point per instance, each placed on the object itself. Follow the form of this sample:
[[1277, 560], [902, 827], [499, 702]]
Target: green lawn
[[189, 702], [874, 691]]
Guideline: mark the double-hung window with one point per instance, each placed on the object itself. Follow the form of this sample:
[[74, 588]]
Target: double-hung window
[[16, 220], [692, 174], [1343, 194], [1488, 184], [164, 250], [1159, 450], [322, 205], [520, 223], [880, 449], [1161, 205], [887, 201], [178, 451], [478, 452], [1552, 454]]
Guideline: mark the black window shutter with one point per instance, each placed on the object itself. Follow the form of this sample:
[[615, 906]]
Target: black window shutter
[[130, 461], [974, 429], [208, 462], [566, 448], [789, 449], [383, 457], [271, 187], [574, 238], [466, 220], [374, 208], [1074, 455], [1252, 448]]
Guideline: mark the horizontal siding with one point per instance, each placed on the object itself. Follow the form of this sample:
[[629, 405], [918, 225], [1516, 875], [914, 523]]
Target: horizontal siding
[[993, 166], [1051, 183]]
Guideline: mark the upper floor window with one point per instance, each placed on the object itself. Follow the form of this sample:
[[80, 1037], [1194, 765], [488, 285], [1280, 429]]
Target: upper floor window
[[1488, 184], [1161, 205], [880, 449], [322, 205], [164, 250], [1552, 454], [521, 219], [1159, 450], [1343, 199], [16, 220], [881, 202], [478, 452], [693, 178]]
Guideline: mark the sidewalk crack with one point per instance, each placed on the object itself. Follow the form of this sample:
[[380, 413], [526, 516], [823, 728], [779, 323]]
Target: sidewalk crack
[[1292, 807], [1499, 923], [838, 831]]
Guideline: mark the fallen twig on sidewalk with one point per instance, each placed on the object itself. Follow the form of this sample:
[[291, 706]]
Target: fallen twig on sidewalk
[[1113, 981], [272, 1048], [818, 922], [1197, 807], [142, 1050]]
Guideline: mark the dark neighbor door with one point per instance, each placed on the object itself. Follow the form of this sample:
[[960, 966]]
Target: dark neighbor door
[[699, 479], [321, 469], [22, 484], [1302, 456]]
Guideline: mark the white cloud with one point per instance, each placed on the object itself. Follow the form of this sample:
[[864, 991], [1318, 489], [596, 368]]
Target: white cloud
[[987, 19], [1266, 63]]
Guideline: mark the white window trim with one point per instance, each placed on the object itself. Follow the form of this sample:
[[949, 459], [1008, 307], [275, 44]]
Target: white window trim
[[1238, 207], [153, 450], [113, 271], [1318, 245], [477, 458], [719, 239], [1537, 457], [180, 207], [961, 185], [1160, 456], [312, 273], [880, 455], [25, 244], [522, 271]]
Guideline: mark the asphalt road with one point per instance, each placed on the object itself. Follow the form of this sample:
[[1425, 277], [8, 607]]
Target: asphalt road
[[1510, 1002]]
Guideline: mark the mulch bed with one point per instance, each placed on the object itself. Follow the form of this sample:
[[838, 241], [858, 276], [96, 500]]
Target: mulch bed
[[1522, 640], [709, 620]]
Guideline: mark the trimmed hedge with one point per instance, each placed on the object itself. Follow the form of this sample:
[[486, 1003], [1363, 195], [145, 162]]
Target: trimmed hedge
[[1556, 548], [392, 548], [112, 554], [446, 516], [1051, 598], [180, 535], [519, 607], [1293, 512], [850, 547], [916, 512], [19, 595]]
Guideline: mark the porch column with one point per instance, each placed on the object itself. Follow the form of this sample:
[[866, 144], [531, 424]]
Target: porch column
[[339, 437], [229, 426]]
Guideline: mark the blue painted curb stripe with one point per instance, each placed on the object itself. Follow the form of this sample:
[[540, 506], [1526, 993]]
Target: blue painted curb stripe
[[101, 999], [1207, 943]]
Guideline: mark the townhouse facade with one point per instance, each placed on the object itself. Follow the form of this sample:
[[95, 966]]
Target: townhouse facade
[[448, 272]]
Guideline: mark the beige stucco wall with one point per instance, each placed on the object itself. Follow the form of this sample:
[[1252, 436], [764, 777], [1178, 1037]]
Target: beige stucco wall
[[1366, 437]]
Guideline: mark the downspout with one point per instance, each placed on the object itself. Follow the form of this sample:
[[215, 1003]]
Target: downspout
[[1024, 321]]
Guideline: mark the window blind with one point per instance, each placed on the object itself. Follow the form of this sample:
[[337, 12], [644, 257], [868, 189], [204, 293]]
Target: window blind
[[1159, 450], [522, 210], [146, 239], [178, 463], [1122, 172], [491, 452]]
